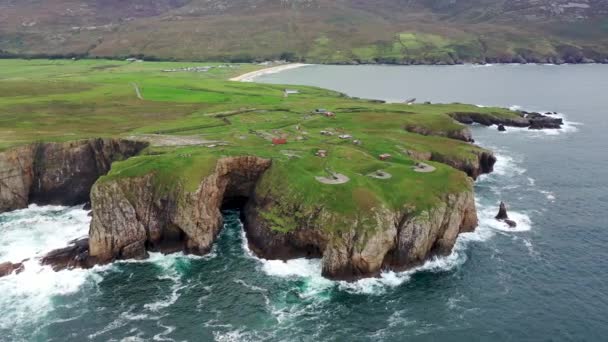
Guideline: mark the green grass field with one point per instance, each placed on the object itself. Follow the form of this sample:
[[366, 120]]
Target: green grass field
[[61, 100]]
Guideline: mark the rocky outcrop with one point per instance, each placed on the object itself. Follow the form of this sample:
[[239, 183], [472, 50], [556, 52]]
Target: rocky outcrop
[[532, 120], [134, 215], [504, 217], [482, 163], [468, 118], [58, 173], [76, 254], [366, 244], [7, 268], [540, 121], [131, 217]]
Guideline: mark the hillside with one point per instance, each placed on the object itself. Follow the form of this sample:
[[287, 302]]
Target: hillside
[[321, 31]]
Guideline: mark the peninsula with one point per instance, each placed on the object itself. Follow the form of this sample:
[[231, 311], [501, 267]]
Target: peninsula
[[158, 149]]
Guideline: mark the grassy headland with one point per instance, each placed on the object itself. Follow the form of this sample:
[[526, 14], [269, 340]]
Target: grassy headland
[[195, 118]]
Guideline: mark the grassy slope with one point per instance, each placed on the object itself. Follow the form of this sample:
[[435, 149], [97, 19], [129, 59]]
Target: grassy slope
[[65, 100], [320, 31]]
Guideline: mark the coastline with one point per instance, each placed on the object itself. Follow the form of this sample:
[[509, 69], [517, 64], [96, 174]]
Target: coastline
[[251, 76]]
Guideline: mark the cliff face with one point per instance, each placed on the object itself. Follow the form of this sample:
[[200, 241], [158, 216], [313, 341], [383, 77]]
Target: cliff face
[[57, 173], [397, 240], [134, 215], [482, 164]]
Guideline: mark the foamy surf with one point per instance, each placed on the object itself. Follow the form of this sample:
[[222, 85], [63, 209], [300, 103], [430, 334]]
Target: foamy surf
[[31, 232], [28, 234], [567, 127], [315, 285]]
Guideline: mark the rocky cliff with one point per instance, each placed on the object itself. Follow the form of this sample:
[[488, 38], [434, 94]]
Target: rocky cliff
[[134, 215], [137, 214], [57, 173], [365, 244], [482, 163]]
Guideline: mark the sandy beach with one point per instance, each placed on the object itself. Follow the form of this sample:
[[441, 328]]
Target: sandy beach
[[250, 76]]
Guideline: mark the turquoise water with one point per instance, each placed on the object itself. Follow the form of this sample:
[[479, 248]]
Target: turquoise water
[[544, 281]]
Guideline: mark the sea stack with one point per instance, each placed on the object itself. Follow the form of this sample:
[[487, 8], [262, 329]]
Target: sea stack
[[504, 217]]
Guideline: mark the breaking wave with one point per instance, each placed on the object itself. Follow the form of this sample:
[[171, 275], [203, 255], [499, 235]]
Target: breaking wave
[[567, 127], [28, 234]]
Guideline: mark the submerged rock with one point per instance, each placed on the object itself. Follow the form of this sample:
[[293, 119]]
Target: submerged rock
[[501, 128]]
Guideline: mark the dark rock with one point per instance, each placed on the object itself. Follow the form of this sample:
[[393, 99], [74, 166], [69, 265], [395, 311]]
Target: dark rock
[[486, 120], [501, 128], [539, 121], [58, 173], [502, 212], [504, 217], [7, 268], [75, 255]]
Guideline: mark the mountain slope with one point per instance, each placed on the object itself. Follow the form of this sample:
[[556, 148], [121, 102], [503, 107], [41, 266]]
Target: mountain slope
[[393, 31]]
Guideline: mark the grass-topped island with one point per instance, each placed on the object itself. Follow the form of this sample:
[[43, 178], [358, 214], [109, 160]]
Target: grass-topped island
[[158, 149]]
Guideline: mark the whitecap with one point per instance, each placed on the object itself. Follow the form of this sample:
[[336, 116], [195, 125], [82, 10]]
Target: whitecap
[[567, 127], [167, 262], [231, 336], [30, 233]]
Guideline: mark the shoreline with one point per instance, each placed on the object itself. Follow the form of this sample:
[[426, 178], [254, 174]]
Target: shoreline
[[251, 76]]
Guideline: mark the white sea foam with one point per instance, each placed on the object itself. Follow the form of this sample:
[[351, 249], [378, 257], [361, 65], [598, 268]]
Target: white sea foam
[[29, 233], [167, 263], [567, 127], [487, 219], [231, 336]]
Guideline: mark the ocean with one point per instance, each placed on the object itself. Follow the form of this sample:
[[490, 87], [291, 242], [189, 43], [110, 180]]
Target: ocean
[[546, 280]]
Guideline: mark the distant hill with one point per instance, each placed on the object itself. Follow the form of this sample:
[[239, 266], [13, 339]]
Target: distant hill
[[321, 31]]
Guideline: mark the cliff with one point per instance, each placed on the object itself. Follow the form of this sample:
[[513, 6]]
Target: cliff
[[136, 214], [362, 245], [57, 173], [133, 215]]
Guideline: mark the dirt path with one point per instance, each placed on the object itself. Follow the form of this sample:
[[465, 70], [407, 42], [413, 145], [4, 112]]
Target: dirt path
[[174, 140], [137, 92]]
